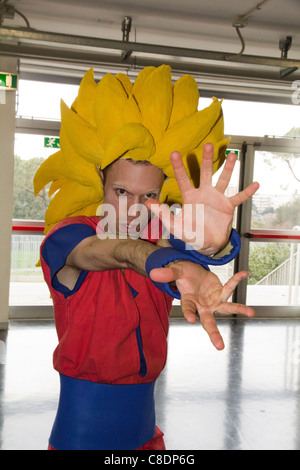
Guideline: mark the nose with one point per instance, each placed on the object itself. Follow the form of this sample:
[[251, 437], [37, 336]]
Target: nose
[[133, 212]]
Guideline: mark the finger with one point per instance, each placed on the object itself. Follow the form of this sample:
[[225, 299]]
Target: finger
[[189, 311], [225, 176], [180, 173], [163, 275], [163, 212], [244, 195], [231, 285], [209, 324], [206, 171], [229, 308]]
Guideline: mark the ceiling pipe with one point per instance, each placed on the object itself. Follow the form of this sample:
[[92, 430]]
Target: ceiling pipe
[[241, 21]]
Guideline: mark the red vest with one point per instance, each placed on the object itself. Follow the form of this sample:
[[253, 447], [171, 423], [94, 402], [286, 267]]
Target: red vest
[[107, 333]]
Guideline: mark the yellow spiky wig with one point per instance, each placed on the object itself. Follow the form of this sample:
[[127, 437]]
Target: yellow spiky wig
[[146, 120]]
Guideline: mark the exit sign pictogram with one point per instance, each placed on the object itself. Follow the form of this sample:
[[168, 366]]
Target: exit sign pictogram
[[8, 81]]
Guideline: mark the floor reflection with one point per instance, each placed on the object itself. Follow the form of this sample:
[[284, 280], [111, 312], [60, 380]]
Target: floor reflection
[[245, 397]]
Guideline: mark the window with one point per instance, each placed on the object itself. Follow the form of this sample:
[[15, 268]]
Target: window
[[41, 100], [276, 205], [274, 274], [248, 118], [27, 286]]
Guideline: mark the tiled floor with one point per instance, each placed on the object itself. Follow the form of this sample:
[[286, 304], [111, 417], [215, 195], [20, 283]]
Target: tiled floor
[[245, 397]]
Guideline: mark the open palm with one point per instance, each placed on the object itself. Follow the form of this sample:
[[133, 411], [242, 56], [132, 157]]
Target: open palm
[[203, 295], [206, 216]]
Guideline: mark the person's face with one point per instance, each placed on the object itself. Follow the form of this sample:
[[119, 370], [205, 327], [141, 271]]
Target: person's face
[[127, 184]]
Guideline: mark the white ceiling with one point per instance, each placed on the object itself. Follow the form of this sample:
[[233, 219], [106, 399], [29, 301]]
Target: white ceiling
[[202, 24], [205, 25]]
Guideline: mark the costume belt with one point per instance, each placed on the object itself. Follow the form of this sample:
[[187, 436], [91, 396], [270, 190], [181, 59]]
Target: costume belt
[[93, 416]]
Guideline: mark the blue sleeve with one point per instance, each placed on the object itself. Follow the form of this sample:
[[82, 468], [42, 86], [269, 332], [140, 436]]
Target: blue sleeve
[[160, 258], [181, 251], [57, 248], [235, 242]]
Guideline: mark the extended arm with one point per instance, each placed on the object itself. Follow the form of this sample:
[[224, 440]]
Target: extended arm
[[93, 254]]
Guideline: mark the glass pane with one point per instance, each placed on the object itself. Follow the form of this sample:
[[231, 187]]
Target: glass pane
[[274, 274], [46, 102], [276, 205], [27, 285], [249, 118], [29, 154]]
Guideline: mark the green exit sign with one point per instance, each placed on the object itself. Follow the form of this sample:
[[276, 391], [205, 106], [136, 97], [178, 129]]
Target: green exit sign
[[51, 142], [228, 151], [8, 81]]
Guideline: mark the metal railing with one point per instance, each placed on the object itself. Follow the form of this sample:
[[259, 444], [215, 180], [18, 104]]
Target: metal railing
[[286, 274], [25, 254], [27, 237], [283, 275]]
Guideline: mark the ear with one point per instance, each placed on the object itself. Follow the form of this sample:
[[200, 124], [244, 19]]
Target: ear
[[101, 176]]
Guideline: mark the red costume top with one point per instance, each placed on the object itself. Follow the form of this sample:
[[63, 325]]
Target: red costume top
[[112, 327]]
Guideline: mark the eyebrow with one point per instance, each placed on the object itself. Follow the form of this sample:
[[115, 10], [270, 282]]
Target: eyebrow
[[123, 186], [120, 186]]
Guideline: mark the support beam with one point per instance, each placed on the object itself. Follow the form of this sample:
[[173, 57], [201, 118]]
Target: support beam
[[7, 130], [127, 46]]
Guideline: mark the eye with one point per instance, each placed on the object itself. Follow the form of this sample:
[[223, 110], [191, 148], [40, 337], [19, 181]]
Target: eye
[[150, 196], [121, 192]]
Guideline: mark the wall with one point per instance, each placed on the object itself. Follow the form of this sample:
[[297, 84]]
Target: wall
[[7, 128]]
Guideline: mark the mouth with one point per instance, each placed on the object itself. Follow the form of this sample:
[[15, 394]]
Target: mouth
[[132, 229], [125, 227]]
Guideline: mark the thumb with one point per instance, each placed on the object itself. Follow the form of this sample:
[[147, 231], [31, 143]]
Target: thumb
[[163, 275]]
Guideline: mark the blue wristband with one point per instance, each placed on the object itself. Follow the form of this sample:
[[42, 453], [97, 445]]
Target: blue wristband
[[181, 251], [199, 258], [163, 256]]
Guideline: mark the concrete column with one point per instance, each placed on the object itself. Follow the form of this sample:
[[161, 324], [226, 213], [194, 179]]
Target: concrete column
[[7, 130]]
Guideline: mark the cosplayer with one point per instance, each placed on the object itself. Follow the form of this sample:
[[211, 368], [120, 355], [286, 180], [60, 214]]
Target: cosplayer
[[112, 292]]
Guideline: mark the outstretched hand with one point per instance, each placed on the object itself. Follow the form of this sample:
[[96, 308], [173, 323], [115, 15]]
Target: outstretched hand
[[215, 209], [203, 295]]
